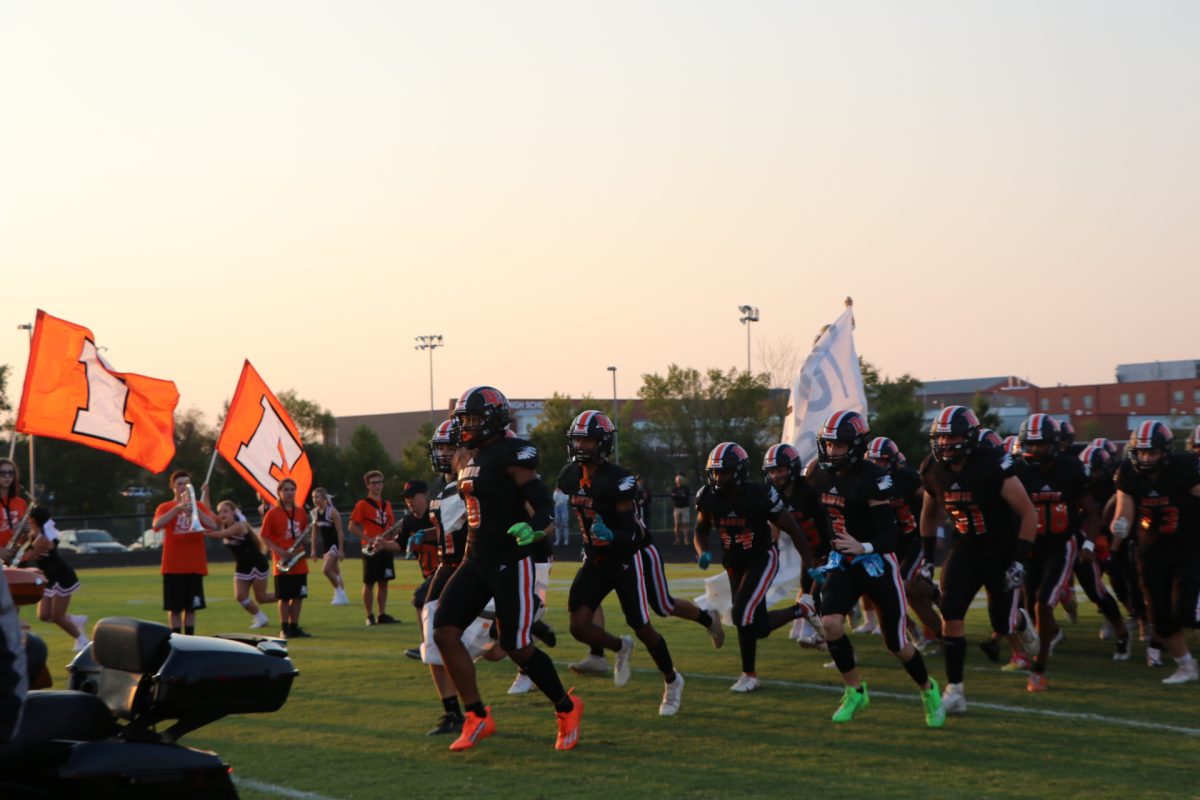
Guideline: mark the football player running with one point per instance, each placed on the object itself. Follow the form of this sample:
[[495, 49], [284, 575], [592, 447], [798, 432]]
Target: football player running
[[995, 524], [857, 496], [496, 485], [1158, 493]]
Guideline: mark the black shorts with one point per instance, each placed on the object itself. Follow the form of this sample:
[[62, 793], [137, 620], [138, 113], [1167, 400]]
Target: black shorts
[[421, 592], [437, 581], [510, 583], [843, 588], [598, 576], [291, 587], [379, 568], [328, 541], [1049, 572], [911, 556], [1172, 594], [749, 583], [655, 578], [967, 570], [183, 591]]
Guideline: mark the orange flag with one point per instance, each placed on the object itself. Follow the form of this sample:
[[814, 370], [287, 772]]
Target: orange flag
[[72, 393], [260, 440]]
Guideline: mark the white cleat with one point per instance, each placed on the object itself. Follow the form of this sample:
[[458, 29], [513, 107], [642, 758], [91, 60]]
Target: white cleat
[[715, 630], [1153, 657], [745, 683], [954, 699], [868, 627], [590, 665], [623, 669], [672, 696], [521, 684], [260, 620], [1185, 674]]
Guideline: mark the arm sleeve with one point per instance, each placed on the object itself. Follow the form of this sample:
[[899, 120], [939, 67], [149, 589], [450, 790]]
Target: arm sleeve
[[538, 497], [887, 535]]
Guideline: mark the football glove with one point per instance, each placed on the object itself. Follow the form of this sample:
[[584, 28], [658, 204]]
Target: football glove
[[704, 560], [600, 531], [524, 533]]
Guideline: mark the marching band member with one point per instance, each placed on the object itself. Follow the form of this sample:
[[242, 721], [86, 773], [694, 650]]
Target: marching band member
[[183, 522], [283, 531]]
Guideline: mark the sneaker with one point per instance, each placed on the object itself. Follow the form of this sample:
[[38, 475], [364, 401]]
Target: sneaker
[[80, 621], [1029, 637], [370, 619], [931, 701], [474, 730], [414, 653], [715, 630], [1106, 630], [260, 620], [622, 669], [954, 699], [545, 633], [1037, 682], [868, 627], [991, 648], [1185, 674], [853, 701], [1122, 651], [521, 684], [339, 598], [590, 665], [672, 695], [568, 724], [745, 683], [1019, 662], [81, 641], [300, 633], [387, 619], [930, 647], [1153, 657], [1059, 638], [449, 723]]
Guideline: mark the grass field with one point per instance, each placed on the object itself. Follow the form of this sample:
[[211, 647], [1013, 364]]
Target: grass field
[[355, 724]]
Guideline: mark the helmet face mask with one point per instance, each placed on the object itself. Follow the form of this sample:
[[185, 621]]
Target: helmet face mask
[[1066, 436], [1039, 439], [482, 414], [1149, 446], [781, 465], [842, 440], [727, 467], [953, 434], [883, 452], [590, 438], [442, 446]]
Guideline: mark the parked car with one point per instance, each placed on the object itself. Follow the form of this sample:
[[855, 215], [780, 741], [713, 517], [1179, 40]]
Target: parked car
[[149, 540], [89, 540], [138, 492]]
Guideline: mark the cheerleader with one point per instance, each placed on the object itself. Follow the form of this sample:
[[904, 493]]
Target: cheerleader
[[249, 553], [61, 581], [330, 542]]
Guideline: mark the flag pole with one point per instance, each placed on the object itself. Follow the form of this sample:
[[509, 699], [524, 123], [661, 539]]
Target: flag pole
[[212, 463]]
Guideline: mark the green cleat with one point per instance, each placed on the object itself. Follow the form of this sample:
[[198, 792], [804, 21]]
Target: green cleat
[[853, 700], [931, 699]]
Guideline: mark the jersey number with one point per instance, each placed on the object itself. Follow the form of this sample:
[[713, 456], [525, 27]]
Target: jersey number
[[471, 502], [1052, 518], [968, 522]]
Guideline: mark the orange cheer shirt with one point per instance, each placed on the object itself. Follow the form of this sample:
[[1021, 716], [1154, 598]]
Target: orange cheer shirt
[[282, 530]]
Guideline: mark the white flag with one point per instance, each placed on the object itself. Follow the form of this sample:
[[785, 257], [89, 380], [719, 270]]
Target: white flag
[[829, 381]]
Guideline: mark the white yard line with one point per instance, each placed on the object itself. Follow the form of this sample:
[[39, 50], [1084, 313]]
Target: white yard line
[[281, 791]]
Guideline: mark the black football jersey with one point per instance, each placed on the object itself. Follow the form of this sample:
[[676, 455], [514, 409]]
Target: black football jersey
[[907, 498], [598, 494], [847, 496], [742, 519], [1167, 516], [804, 504], [411, 524], [448, 514], [494, 500], [1056, 494], [973, 501]]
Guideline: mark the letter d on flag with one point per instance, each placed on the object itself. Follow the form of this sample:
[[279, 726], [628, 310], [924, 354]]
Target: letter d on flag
[[261, 442]]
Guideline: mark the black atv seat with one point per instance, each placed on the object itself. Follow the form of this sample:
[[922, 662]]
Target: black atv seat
[[131, 645], [58, 715]]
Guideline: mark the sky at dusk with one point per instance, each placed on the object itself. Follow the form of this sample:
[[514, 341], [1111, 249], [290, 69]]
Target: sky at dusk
[[557, 187]]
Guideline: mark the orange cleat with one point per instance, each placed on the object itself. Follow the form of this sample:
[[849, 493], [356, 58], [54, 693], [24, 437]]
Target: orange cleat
[[475, 729], [1037, 683], [568, 724]]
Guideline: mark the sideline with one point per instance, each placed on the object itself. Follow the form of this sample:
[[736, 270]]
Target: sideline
[[282, 791], [912, 697]]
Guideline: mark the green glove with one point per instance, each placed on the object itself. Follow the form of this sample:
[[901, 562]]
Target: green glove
[[524, 533]]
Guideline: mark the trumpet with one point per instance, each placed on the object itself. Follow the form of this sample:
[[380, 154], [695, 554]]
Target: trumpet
[[22, 540], [191, 498], [386, 536], [296, 552]]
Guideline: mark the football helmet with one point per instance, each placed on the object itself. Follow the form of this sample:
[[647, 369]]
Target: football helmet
[[1011, 445], [989, 438], [1066, 435], [1038, 429], [591, 425], [783, 455], [1107, 445], [491, 406], [445, 434], [848, 427], [730, 458], [1148, 437], [1096, 461], [884, 452], [958, 421]]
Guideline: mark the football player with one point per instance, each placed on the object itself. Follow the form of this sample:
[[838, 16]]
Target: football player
[[497, 485], [1158, 491], [995, 524], [741, 512]]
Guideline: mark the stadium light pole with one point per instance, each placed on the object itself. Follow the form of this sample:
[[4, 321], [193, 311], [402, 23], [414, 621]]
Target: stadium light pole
[[429, 343], [616, 441], [28, 326], [749, 314]]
